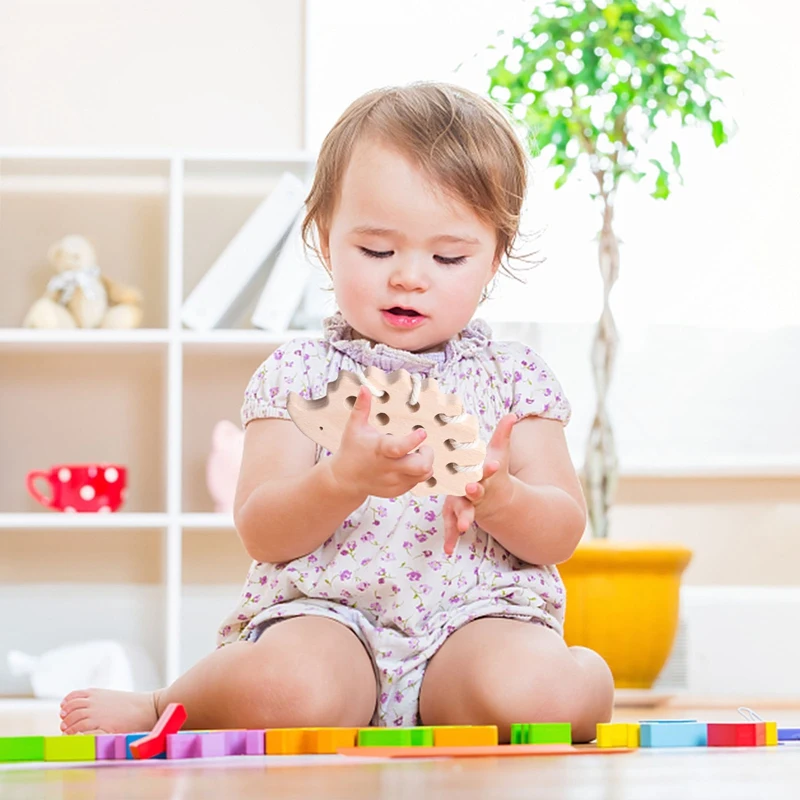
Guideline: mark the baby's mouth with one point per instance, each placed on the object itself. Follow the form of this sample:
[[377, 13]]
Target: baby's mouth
[[403, 312]]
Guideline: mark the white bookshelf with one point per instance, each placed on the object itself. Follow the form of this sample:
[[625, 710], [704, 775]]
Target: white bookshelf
[[158, 219]]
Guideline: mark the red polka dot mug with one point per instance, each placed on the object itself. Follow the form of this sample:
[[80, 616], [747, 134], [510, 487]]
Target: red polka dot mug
[[81, 487]]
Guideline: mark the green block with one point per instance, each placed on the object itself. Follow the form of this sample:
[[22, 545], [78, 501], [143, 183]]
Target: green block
[[21, 748], [69, 748], [518, 733], [421, 737], [549, 733], [384, 737]]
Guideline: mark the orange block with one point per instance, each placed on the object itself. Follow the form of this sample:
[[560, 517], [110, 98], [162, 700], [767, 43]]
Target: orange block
[[329, 740], [285, 741], [465, 736]]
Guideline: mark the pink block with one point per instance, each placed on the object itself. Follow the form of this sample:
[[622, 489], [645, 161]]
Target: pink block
[[105, 746], [196, 745], [235, 743], [121, 746], [255, 743]]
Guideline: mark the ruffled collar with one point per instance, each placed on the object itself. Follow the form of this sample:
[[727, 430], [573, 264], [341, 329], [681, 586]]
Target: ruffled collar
[[340, 336]]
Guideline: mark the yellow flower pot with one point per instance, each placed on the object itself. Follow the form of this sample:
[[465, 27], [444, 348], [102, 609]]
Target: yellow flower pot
[[622, 601]]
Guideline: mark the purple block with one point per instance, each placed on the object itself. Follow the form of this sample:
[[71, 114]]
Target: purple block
[[120, 746], [255, 743], [183, 745], [196, 745], [235, 743], [788, 734], [105, 746]]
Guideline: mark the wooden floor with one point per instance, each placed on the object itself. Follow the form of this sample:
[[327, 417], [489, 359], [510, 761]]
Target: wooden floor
[[706, 774]]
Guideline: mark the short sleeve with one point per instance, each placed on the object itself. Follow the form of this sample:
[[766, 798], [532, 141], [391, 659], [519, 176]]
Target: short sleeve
[[536, 391], [290, 368]]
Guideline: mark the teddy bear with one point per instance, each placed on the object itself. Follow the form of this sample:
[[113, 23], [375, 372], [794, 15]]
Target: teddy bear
[[79, 295]]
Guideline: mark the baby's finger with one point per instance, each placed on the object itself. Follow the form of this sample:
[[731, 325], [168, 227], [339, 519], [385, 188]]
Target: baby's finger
[[475, 492], [465, 518], [489, 469], [419, 463], [359, 415], [399, 446]]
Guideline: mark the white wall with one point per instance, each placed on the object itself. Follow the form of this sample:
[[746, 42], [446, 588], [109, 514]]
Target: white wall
[[149, 74]]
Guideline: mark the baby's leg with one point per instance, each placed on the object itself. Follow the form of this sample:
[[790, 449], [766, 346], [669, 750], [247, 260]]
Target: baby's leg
[[302, 672], [500, 671]]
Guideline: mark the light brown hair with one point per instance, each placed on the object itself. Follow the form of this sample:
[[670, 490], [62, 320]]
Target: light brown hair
[[463, 142]]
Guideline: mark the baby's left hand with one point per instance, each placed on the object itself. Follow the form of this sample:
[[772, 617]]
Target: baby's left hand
[[493, 491]]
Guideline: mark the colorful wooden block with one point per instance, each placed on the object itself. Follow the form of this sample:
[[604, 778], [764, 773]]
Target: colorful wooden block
[[235, 742], [195, 745], [789, 734], [541, 733], [255, 743], [494, 751], [285, 741], [69, 748], [737, 734], [612, 734], [21, 748], [634, 734], [104, 746], [421, 736], [771, 734], [155, 743], [385, 737], [464, 735], [130, 741], [673, 734], [330, 740]]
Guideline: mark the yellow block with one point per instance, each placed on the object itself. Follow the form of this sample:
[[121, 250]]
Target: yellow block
[[70, 748], [612, 734], [464, 735], [772, 733], [329, 740], [633, 734]]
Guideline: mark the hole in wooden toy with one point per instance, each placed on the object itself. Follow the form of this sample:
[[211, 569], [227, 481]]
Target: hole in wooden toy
[[450, 444], [451, 467], [320, 427], [384, 398], [413, 406], [440, 419], [351, 401], [431, 482], [418, 428], [382, 419]]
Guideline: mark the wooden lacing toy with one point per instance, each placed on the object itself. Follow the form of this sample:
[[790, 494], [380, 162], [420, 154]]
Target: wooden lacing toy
[[402, 402]]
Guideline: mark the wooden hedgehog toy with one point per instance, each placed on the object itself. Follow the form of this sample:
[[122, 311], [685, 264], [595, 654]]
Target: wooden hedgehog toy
[[401, 403]]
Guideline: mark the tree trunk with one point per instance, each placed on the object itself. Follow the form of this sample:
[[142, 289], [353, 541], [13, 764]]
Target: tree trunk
[[600, 471]]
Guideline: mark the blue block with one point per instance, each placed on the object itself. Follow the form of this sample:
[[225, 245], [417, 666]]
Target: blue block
[[789, 734], [664, 721], [134, 737], [669, 734]]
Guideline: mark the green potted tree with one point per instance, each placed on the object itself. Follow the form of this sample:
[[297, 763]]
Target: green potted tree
[[596, 84]]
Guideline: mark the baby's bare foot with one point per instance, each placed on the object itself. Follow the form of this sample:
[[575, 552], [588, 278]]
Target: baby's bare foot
[[107, 711]]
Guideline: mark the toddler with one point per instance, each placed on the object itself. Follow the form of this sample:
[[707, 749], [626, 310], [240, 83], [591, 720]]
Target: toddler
[[366, 604]]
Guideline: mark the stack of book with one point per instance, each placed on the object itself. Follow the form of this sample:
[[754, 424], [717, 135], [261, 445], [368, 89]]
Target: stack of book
[[270, 236]]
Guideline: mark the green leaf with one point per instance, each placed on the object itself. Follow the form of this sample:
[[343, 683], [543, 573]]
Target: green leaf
[[676, 160], [718, 132], [661, 191], [709, 12]]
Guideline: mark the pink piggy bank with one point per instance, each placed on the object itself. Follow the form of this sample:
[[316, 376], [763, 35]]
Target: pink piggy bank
[[224, 462]]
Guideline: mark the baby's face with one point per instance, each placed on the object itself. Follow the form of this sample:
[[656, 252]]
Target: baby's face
[[408, 263]]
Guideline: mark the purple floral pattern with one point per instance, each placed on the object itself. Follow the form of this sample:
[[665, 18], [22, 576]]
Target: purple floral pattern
[[383, 572]]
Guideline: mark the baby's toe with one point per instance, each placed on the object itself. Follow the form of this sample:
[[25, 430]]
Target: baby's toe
[[73, 719], [67, 707], [87, 726]]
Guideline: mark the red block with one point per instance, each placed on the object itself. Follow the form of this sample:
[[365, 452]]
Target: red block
[[155, 743], [737, 734]]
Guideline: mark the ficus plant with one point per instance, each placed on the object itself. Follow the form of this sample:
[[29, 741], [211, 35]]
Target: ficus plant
[[592, 83]]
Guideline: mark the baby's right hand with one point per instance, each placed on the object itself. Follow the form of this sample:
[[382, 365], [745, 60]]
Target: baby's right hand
[[372, 463]]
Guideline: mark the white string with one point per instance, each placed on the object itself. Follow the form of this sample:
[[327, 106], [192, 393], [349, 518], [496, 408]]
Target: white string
[[749, 714]]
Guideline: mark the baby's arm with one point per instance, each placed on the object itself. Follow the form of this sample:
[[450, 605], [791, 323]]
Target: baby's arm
[[543, 516], [286, 505]]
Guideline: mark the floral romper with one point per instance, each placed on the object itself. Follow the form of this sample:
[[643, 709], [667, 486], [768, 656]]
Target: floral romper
[[383, 573]]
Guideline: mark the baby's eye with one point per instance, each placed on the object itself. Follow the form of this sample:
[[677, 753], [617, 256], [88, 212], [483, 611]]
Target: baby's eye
[[376, 253], [448, 261]]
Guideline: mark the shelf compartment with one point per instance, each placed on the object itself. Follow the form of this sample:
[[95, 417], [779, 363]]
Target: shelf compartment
[[121, 206], [90, 407]]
